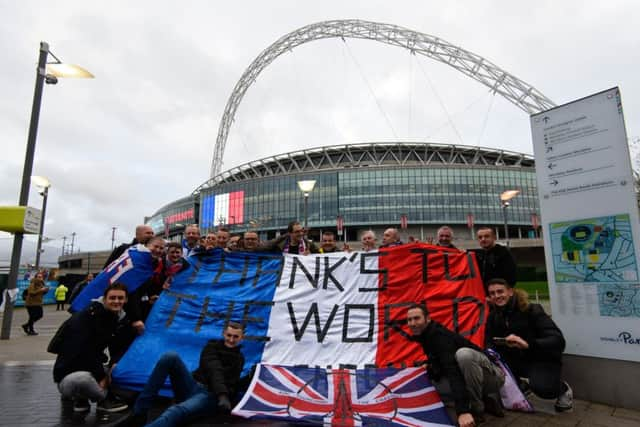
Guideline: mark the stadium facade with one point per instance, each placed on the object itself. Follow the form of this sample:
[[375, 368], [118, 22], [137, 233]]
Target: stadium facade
[[368, 185]]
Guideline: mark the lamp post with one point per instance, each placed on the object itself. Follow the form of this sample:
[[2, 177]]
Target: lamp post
[[43, 183], [504, 200], [48, 72], [306, 187]]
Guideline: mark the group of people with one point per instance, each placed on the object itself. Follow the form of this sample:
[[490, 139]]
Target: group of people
[[519, 331], [82, 369], [524, 336]]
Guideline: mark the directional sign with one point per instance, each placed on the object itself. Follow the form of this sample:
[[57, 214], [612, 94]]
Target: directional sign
[[590, 225]]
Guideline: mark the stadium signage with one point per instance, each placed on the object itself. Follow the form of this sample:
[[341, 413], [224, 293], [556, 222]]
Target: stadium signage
[[180, 216], [589, 215]]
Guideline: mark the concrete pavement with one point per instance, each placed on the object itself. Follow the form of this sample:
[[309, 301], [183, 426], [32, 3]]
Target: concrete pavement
[[28, 396]]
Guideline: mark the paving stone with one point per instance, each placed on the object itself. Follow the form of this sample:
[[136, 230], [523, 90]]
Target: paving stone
[[598, 407], [627, 413], [28, 396], [601, 419]]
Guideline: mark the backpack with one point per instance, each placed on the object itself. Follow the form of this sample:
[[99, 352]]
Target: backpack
[[25, 294], [55, 345]]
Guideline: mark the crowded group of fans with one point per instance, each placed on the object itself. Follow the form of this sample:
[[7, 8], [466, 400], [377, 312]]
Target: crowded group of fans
[[521, 332]]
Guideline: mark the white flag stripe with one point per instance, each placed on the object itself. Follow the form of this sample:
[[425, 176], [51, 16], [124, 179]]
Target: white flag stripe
[[330, 317]]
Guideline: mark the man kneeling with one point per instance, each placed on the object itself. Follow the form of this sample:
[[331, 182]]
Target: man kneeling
[[473, 379], [79, 369], [201, 392], [528, 341]]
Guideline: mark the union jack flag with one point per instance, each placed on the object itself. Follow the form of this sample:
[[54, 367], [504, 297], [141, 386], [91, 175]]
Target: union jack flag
[[344, 397]]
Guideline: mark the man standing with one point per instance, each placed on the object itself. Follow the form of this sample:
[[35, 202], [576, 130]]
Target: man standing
[[222, 237], [143, 234], [494, 261], [34, 301], [61, 296], [191, 240], [293, 242], [328, 243], [471, 376], [207, 389], [368, 241], [445, 237], [528, 341], [250, 241], [210, 240], [79, 370], [79, 287], [390, 238]]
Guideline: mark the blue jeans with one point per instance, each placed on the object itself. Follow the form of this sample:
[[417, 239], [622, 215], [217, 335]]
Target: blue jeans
[[193, 398]]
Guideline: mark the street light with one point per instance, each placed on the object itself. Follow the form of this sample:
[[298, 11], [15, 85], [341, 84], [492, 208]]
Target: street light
[[504, 200], [306, 187], [48, 72], [44, 184]]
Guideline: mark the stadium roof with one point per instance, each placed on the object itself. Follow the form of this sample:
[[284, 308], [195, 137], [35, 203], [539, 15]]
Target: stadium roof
[[371, 155]]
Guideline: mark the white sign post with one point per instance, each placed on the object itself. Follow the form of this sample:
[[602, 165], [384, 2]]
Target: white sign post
[[590, 225]]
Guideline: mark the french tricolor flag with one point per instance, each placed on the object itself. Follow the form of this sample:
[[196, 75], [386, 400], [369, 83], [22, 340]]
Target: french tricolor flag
[[220, 209], [328, 310]]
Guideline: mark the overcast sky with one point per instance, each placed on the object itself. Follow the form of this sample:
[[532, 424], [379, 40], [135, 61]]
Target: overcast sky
[[142, 133]]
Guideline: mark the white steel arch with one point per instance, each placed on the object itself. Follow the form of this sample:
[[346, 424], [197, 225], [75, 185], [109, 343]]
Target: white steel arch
[[516, 91]]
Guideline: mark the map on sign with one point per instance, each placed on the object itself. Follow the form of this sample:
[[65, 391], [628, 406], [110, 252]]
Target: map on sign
[[619, 300], [592, 250]]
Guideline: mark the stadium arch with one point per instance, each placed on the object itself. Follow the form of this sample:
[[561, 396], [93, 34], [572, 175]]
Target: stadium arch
[[516, 91]]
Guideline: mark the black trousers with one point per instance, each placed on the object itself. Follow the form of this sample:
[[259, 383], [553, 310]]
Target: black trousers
[[35, 314], [59, 305], [545, 378]]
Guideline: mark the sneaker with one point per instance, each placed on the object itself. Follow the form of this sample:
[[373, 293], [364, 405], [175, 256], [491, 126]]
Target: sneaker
[[564, 402], [81, 405], [112, 404], [493, 406], [32, 332], [25, 328]]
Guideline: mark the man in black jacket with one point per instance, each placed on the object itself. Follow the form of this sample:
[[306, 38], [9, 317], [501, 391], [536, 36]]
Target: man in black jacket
[[144, 233], [211, 386], [472, 378], [528, 341], [494, 261], [79, 370]]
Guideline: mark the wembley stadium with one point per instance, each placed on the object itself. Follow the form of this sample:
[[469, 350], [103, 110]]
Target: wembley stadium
[[420, 186], [370, 186]]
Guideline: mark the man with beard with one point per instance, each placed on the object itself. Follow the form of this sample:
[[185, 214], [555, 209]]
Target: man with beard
[[457, 364]]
